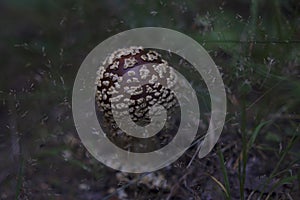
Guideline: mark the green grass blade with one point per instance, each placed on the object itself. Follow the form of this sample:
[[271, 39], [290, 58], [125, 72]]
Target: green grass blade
[[224, 172]]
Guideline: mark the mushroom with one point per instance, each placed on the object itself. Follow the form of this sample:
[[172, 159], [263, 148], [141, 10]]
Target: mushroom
[[134, 75]]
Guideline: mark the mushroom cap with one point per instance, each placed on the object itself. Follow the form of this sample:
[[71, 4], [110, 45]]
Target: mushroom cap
[[133, 80]]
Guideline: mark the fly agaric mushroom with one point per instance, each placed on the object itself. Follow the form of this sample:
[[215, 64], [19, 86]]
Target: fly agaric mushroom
[[139, 73]]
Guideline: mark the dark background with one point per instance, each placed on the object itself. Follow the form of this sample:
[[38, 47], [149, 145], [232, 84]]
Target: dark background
[[256, 47]]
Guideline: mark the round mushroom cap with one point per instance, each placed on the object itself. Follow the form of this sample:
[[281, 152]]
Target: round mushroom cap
[[133, 80]]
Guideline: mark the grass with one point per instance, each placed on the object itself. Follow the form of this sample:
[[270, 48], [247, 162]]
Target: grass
[[226, 189], [273, 174]]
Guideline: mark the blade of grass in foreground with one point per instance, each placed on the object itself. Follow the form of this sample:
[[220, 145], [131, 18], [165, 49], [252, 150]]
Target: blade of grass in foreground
[[282, 156], [255, 134], [224, 171], [283, 181]]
